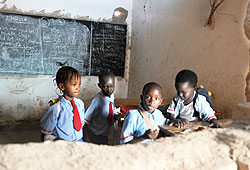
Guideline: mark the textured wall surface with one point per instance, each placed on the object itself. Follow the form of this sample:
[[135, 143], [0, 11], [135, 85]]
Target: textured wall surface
[[168, 36]]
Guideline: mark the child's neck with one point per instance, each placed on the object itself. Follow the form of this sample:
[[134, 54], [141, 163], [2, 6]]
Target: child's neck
[[188, 101], [68, 98]]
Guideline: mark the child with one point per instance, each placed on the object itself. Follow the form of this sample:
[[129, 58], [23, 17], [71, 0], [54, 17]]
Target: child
[[99, 115], [64, 120], [182, 107], [142, 123]]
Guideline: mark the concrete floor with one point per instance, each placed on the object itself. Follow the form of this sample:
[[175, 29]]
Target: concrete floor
[[20, 132], [29, 131]]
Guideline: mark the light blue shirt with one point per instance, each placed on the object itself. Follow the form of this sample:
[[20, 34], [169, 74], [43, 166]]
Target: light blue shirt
[[97, 114], [63, 125], [135, 126], [204, 109]]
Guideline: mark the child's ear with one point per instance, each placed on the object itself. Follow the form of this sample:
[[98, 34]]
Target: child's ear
[[99, 85], [61, 86], [161, 100], [141, 97]]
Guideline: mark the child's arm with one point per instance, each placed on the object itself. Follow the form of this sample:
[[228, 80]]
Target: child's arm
[[49, 121], [214, 123], [45, 137], [130, 127], [178, 123], [173, 112], [206, 111], [90, 110], [147, 135]]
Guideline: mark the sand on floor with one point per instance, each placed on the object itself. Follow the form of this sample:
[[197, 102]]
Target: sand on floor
[[211, 149]]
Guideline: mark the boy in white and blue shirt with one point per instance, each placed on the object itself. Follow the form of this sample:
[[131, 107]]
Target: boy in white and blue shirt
[[188, 105], [135, 127], [99, 115]]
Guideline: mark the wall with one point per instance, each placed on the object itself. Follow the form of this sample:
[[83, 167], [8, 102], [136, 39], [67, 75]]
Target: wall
[[26, 96], [169, 35]]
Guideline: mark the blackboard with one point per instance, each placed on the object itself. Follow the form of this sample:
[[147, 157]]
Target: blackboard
[[33, 45]]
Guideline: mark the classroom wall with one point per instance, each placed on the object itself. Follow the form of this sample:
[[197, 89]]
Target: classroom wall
[[168, 36], [26, 96]]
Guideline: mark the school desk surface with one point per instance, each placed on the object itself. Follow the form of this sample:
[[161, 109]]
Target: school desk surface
[[197, 126]]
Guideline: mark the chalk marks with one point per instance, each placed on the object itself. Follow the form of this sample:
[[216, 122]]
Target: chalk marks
[[33, 45]]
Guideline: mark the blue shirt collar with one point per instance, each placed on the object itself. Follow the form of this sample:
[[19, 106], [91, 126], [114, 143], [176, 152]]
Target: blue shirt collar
[[65, 100], [110, 99], [140, 106]]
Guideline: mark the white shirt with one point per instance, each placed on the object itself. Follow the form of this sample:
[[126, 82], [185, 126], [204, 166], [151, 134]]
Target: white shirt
[[187, 112], [204, 109]]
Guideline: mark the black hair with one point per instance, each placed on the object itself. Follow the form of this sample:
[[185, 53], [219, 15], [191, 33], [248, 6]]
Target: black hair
[[149, 85], [104, 74], [186, 76], [65, 73]]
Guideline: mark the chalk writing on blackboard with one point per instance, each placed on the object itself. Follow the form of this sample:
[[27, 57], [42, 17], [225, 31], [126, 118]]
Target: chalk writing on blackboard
[[108, 41], [33, 45]]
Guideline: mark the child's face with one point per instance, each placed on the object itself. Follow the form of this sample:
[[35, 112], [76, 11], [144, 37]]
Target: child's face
[[152, 99], [185, 91], [71, 88], [107, 86]]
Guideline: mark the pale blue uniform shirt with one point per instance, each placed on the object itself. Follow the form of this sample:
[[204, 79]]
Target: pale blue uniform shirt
[[63, 126], [97, 114], [135, 126], [204, 109]]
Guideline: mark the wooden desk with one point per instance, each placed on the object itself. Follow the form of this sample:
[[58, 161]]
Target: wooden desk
[[197, 126]]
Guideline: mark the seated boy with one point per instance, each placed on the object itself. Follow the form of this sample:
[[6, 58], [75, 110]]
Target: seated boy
[[141, 124], [183, 108]]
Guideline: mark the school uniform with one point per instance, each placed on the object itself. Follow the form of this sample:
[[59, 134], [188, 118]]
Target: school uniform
[[135, 126], [97, 116], [62, 125], [188, 112]]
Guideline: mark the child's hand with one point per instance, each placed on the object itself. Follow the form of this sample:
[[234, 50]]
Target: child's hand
[[153, 134], [214, 124], [178, 123]]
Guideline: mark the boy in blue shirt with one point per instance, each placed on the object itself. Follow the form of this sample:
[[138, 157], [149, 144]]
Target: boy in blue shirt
[[99, 115], [64, 119], [183, 108], [142, 124]]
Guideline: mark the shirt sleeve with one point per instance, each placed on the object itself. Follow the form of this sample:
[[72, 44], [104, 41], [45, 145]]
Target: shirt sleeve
[[89, 112], [172, 108], [128, 128], [49, 120], [205, 110]]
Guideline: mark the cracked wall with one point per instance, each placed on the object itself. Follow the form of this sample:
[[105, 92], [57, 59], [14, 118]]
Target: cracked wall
[[247, 32], [168, 36]]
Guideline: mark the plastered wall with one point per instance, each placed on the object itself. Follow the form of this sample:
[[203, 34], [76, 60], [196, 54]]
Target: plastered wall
[[168, 36], [26, 96]]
